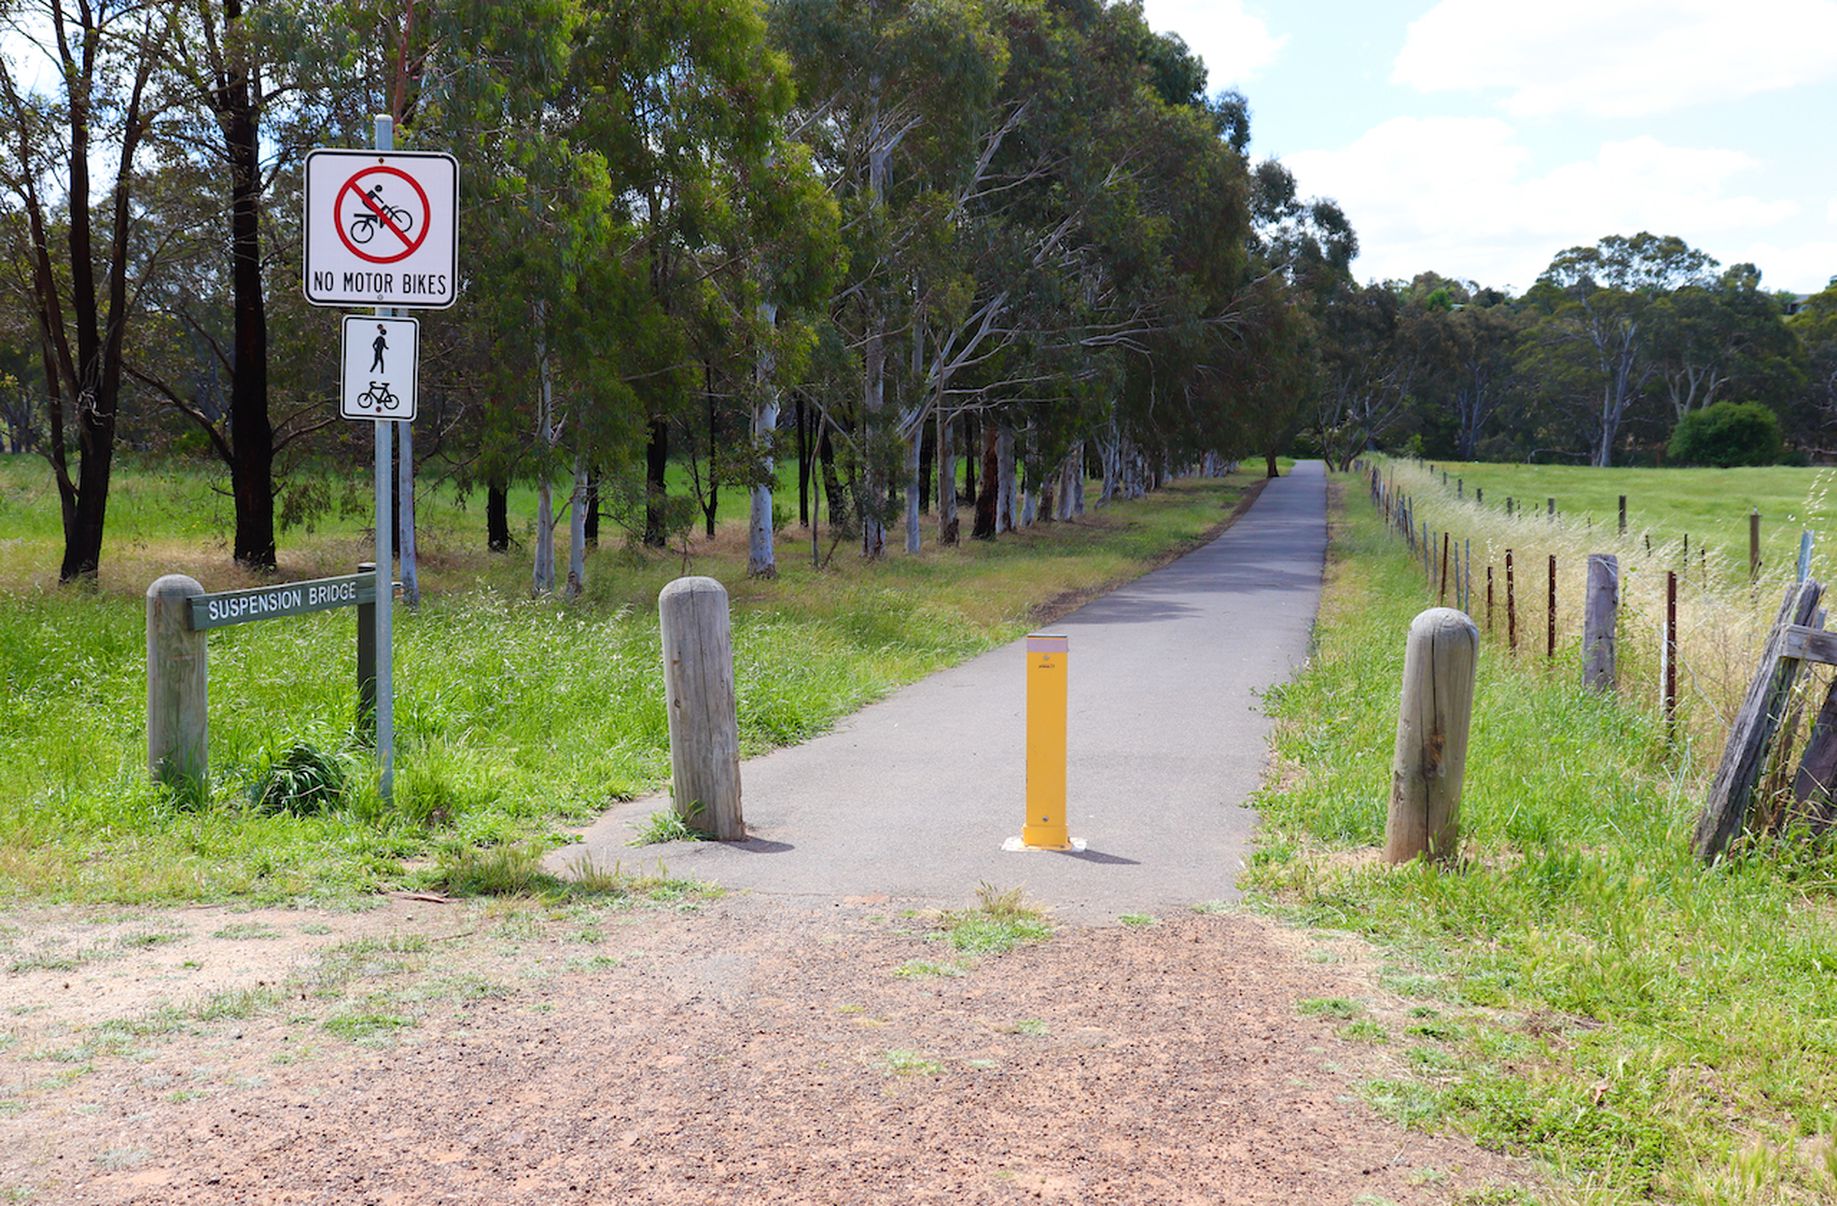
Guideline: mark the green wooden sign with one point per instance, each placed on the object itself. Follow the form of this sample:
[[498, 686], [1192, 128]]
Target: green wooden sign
[[287, 599]]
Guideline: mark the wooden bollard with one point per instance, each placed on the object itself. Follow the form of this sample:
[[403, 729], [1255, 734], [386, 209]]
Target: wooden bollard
[[698, 691], [177, 684], [1432, 724], [1601, 609]]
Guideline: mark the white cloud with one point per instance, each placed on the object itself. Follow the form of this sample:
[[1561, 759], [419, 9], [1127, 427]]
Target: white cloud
[[1457, 195], [1619, 58], [1235, 44]]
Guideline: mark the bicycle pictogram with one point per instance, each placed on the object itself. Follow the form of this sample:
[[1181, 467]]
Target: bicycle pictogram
[[379, 397], [383, 214], [375, 212]]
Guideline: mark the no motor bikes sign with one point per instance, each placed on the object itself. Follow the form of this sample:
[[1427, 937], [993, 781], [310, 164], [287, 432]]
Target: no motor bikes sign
[[381, 229]]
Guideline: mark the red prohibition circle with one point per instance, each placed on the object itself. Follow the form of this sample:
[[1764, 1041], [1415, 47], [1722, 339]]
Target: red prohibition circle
[[409, 246]]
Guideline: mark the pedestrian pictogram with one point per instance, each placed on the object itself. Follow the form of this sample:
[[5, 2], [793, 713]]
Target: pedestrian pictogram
[[381, 229], [381, 359]]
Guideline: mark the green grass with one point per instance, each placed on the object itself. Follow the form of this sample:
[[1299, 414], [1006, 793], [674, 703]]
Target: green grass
[[516, 718], [1707, 505], [912, 1063], [999, 922], [1588, 993]]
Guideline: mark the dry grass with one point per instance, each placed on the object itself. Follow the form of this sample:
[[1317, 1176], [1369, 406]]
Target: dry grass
[[1723, 619]]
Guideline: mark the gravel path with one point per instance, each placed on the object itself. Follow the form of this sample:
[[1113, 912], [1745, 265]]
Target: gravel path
[[739, 1053]]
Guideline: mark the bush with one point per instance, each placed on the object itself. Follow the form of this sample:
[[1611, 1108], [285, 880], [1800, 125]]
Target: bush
[[1727, 434]]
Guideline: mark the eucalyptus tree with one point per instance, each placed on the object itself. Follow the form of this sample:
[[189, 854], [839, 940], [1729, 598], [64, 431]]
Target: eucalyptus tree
[[1592, 344], [895, 99], [81, 99]]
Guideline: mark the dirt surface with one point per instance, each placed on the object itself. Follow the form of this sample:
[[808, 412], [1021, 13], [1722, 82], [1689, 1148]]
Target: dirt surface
[[696, 1050]]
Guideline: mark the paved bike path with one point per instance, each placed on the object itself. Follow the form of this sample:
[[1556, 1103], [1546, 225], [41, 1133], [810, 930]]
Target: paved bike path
[[912, 797]]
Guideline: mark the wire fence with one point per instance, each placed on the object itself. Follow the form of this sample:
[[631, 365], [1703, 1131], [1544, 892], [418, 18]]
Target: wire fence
[[1520, 573]]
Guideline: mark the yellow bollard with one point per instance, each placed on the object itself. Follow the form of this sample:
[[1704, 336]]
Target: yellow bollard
[[1045, 825]]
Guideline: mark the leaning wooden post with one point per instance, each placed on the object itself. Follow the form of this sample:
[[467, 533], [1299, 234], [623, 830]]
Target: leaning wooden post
[[1744, 754], [1600, 611], [1432, 726], [698, 690], [177, 684]]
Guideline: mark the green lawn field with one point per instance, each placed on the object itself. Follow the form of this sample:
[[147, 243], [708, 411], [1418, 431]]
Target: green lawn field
[[1669, 504]]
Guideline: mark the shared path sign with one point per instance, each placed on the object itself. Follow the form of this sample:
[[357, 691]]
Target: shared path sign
[[381, 228], [382, 358]]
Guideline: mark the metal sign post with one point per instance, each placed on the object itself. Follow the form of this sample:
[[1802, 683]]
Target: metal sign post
[[381, 228], [385, 562]]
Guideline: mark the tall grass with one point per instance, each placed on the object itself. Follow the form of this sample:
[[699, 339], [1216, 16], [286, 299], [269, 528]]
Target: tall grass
[[1723, 617], [1578, 987], [515, 717]]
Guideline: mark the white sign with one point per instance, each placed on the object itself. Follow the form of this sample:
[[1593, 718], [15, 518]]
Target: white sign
[[381, 359], [381, 229]]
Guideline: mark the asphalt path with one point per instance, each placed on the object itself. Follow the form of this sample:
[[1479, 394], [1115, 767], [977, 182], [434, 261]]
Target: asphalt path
[[911, 798]]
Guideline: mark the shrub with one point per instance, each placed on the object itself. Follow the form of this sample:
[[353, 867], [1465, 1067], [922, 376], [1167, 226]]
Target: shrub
[[1727, 434]]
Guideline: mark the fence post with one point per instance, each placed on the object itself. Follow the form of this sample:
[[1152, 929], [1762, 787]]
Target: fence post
[[177, 684], [1489, 596], [1668, 701], [366, 663], [1433, 720], [1552, 514], [1623, 515], [1805, 540], [1550, 615], [1753, 544], [698, 687], [1511, 604], [1479, 495], [1601, 610]]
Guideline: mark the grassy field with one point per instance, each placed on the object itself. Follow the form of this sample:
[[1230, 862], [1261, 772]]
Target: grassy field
[[1707, 505], [1580, 988], [516, 717]]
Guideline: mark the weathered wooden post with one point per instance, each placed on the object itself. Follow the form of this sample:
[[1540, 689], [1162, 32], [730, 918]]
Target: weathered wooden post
[[177, 684], [1479, 495], [1552, 514], [698, 691], [1600, 612], [1744, 753], [1623, 515], [1432, 725]]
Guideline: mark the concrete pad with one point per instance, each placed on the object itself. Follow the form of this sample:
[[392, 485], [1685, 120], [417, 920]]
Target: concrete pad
[[912, 797]]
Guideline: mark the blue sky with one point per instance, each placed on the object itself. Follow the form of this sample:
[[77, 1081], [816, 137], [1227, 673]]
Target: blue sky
[[1477, 138]]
